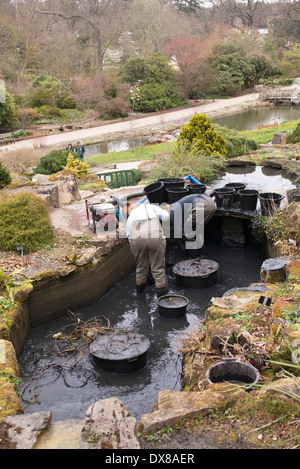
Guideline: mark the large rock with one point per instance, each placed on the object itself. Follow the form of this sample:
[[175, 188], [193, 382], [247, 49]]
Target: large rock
[[59, 192], [23, 430], [174, 406], [285, 389], [279, 138], [108, 425], [274, 270], [8, 359]]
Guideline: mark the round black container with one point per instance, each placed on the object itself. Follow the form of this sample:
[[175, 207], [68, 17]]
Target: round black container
[[196, 188], [120, 352], [230, 370], [195, 273], [171, 182], [237, 186], [248, 199], [223, 196], [269, 202], [175, 193], [172, 306], [155, 193]]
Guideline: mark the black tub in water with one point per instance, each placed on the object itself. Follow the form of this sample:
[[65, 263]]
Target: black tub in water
[[172, 306], [120, 352], [196, 273], [230, 370]]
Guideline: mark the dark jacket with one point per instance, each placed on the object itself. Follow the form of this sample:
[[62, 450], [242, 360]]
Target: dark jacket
[[80, 151]]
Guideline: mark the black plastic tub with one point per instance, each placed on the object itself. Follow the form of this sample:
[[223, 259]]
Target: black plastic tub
[[196, 188], [195, 273], [172, 306], [175, 193], [232, 371], [248, 199], [237, 186], [155, 193], [120, 352], [223, 196], [170, 183], [269, 202]]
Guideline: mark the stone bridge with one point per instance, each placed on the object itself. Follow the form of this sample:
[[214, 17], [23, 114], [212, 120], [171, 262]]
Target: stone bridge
[[289, 95]]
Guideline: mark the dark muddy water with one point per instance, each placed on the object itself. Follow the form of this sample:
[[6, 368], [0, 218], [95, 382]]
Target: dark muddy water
[[68, 391]]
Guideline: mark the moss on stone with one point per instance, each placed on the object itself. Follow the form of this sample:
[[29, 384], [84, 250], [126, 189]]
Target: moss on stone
[[9, 402]]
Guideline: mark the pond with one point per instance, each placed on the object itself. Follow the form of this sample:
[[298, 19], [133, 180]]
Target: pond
[[256, 177], [51, 383], [251, 119], [114, 145]]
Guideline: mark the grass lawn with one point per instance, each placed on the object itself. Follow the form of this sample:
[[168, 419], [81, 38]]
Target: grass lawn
[[262, 136], [147, 152]]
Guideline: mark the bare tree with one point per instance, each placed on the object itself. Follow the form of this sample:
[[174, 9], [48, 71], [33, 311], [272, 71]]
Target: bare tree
[[91, 16], [242, 9]]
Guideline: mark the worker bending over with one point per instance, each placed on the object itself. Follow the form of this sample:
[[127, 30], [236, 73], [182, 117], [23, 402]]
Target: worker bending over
[[189, 216], [148, 244]]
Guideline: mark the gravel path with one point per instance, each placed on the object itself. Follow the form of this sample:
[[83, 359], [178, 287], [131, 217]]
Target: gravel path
[[135, 124]]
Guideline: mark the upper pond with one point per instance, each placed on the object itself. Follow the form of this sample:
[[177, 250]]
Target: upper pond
[[251, 119]]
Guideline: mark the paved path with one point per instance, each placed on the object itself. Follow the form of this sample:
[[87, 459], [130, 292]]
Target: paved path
[[150, 121]]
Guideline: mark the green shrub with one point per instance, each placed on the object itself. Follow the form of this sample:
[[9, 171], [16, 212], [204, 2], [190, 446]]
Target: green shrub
[[182, 162], [52, 163], [49, 111], [294, 137], [24, 221], [199, 135], [5, 177], [8, 113], [235, 143], [41, 97], [157, 97]]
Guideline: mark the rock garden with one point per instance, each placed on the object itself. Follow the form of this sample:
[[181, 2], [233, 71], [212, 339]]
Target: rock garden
[[238, 326]]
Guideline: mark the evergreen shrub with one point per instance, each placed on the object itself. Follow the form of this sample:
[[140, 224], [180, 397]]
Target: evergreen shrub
[[24, 221], [5, 177], [52, 163], [199, 135]]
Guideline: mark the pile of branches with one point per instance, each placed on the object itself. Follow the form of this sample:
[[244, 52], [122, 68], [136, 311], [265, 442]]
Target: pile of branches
[[243, 346]]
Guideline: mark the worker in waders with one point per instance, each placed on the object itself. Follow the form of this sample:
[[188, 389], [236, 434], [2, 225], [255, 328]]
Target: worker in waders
[[189, 216], [148, 244]]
